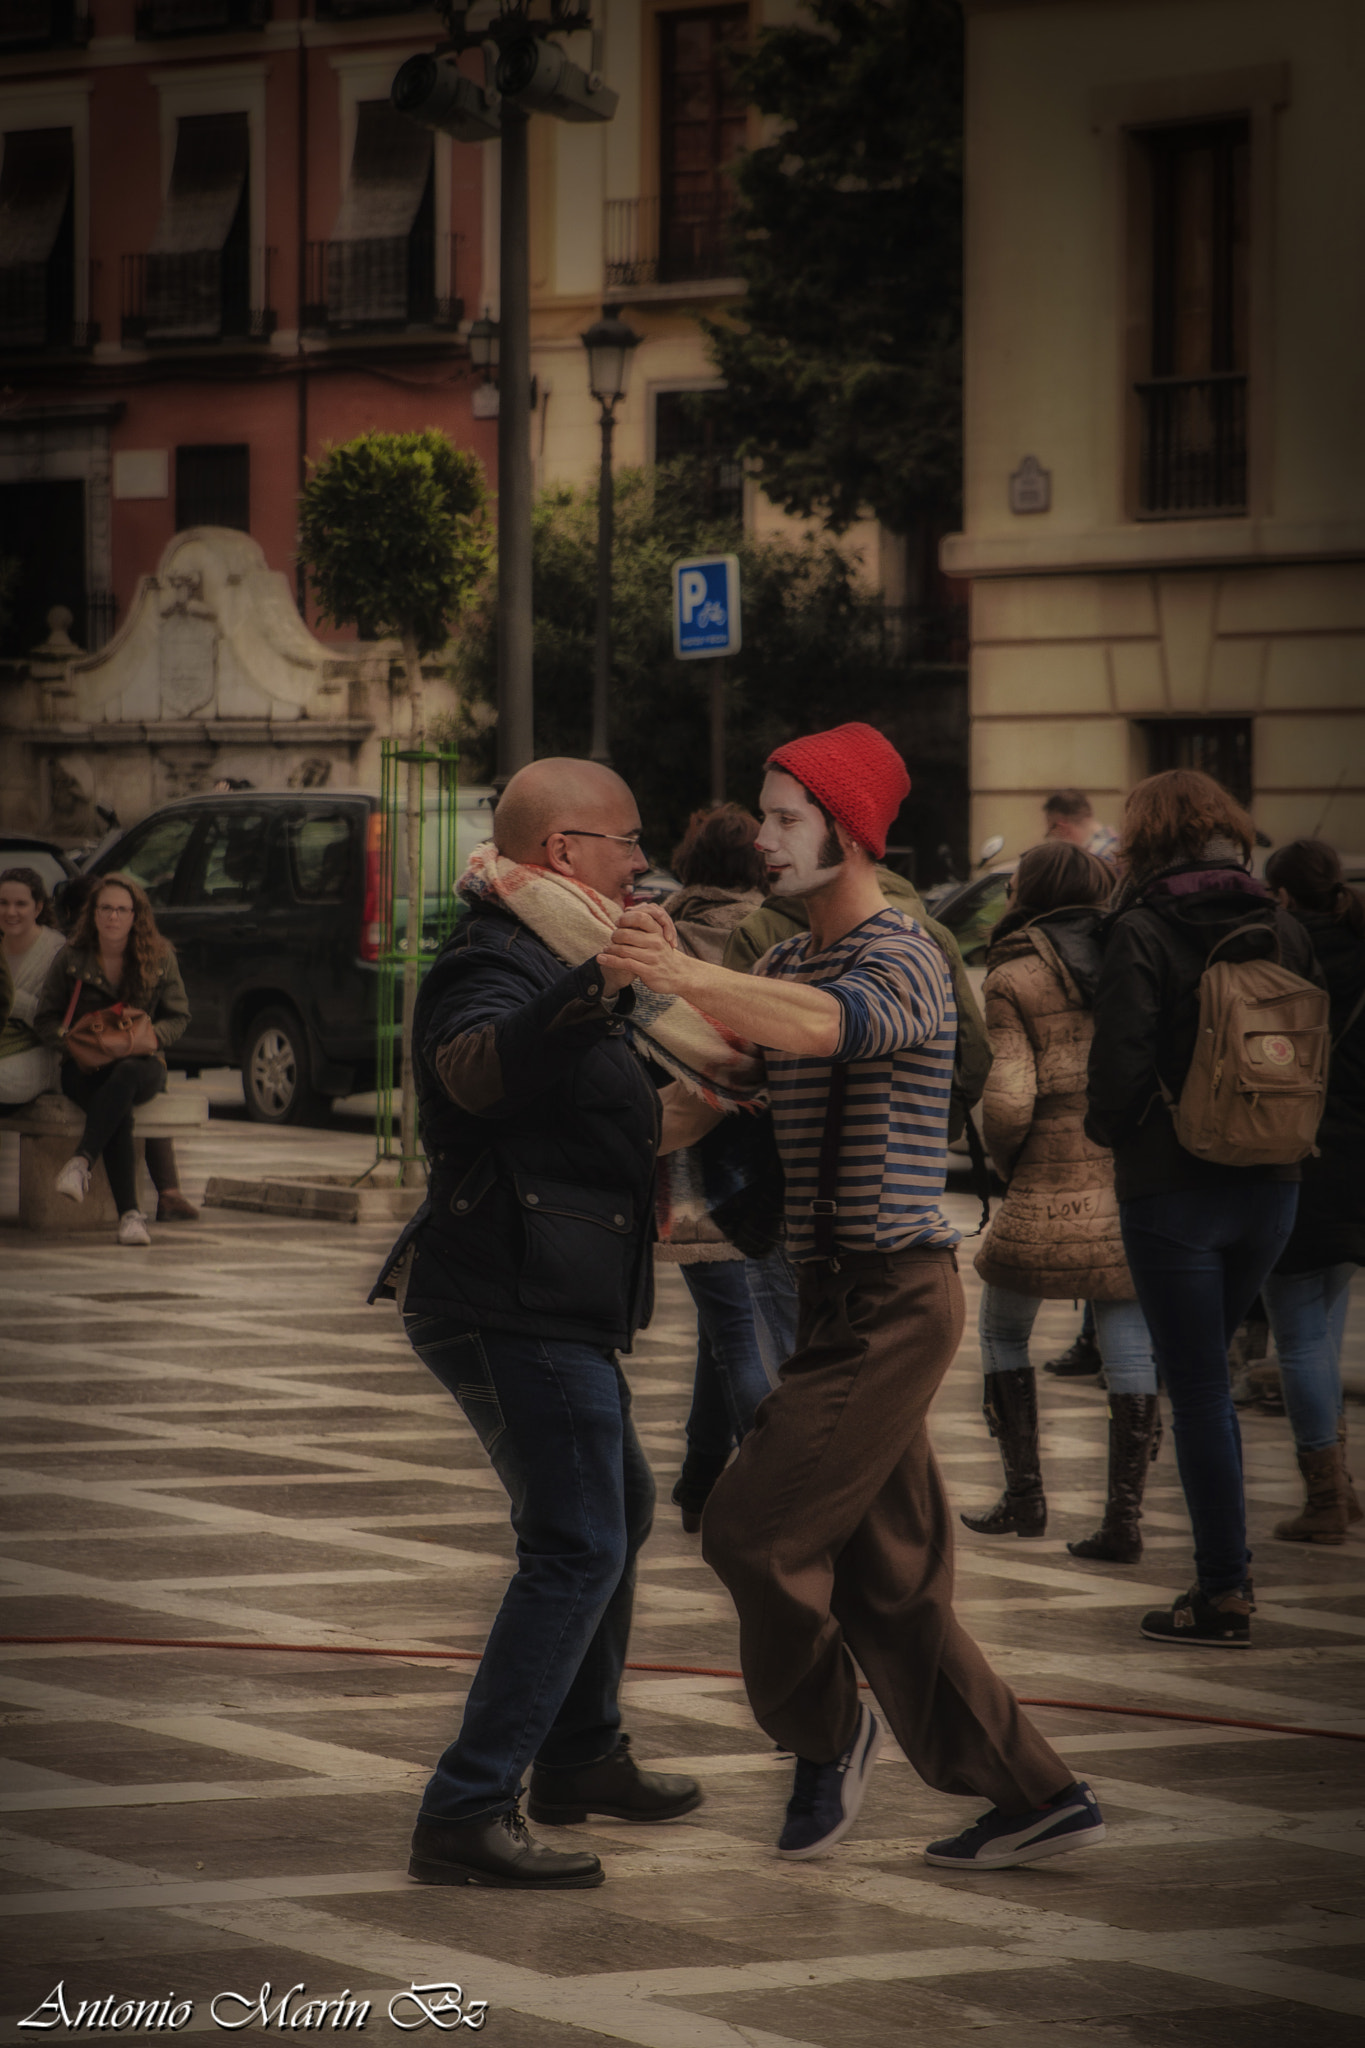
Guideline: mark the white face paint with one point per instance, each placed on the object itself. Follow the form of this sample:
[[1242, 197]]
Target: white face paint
[[792, 841]]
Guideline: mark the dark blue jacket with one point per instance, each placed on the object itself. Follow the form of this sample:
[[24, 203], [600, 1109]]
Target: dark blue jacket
[[541, 1130]]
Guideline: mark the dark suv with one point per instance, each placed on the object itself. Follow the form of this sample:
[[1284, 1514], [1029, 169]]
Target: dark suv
[[272, 901]]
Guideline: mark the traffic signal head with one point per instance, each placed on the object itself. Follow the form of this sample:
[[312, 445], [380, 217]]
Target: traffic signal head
[[537, 76], [435, 92]]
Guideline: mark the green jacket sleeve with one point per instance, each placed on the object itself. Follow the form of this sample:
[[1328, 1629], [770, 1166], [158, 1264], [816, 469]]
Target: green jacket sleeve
[[170, 1009]]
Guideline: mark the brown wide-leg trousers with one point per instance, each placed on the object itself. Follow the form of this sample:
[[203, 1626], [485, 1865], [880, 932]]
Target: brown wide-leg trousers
[[833, 1534]]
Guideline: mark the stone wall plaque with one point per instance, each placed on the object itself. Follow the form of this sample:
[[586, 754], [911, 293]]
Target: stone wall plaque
[[188, 662], [1031, 487]]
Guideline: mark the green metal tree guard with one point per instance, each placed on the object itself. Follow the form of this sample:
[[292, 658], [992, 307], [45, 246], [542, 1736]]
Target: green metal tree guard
[[435, 921]]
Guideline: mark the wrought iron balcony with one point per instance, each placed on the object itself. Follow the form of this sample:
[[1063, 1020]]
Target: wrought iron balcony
[[199, 296], [101, 615], [157, 19], [37, 308], [1193, 459], [385, 282], [649, 242], [43, 25], [364, 10]]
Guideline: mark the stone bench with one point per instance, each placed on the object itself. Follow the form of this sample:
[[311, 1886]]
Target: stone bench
[[48, 1129]]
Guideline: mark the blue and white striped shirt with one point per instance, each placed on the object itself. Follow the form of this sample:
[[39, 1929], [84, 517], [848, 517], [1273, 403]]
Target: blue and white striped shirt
[[899, 1035]]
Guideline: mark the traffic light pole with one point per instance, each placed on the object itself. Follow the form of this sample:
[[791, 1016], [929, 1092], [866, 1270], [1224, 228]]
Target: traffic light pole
[[516, 744]]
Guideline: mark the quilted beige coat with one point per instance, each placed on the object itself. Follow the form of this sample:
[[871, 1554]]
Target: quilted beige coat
[[1056, 1235]]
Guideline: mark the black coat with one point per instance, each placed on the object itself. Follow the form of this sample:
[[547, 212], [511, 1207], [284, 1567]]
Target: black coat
[[541, 1131], [1147, 1018], [1330, 1227]]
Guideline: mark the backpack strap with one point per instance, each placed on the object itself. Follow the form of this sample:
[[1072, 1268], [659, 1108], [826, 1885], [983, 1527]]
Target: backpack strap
[[1245, 930], [71, 1006], [825, 1208]]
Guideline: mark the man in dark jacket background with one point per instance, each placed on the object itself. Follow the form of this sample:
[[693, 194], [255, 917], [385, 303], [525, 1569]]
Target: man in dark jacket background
[[526, 1268]]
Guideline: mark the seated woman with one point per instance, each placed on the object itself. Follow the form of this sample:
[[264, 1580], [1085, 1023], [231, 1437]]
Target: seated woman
[[116, 954], [29, 943]]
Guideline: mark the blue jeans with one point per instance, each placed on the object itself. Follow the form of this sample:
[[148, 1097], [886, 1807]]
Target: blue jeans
[[554, 1419], [1307, 1313], [771, 1281], [1006, 1323], [730, 1378], [1198, 1260]]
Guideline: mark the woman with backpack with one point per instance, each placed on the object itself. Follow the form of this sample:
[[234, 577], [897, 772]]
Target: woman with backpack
[[1201, 1235], [115, 955], [1056, 1236], [1307, 1294]]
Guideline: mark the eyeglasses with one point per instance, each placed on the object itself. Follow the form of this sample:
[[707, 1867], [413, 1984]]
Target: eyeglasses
[[113, 910], [621, 838]]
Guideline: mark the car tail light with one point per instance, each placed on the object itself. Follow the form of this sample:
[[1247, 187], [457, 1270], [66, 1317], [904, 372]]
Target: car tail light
[[372, 915]]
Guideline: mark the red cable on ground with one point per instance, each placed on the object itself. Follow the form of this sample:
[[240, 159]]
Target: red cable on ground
[[667, 1670]]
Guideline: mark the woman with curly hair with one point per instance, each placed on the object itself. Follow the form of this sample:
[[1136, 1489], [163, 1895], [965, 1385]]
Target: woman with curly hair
[[117, 955]]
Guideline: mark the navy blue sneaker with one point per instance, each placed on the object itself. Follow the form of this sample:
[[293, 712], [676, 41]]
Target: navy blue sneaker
[[826, 1797], [998, 1840]]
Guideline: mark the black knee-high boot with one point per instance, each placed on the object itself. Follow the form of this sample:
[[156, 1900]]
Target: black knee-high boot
[[1134, 1440], [1010, 1407]]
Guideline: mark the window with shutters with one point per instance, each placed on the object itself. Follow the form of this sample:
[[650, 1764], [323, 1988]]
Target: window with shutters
[[202, 277], [37, 240], [1191, 206], [1220, 747], [685, 429], [380, 267], [703, 123], [213, 485]]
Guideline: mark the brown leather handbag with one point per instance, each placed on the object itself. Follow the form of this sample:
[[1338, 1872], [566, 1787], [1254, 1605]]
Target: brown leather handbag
[[96, 1040]]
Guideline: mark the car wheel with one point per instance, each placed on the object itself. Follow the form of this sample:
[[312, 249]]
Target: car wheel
[[276, 1071]]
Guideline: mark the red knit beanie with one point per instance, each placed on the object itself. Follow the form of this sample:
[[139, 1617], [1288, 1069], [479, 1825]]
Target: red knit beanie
[[855, 774]]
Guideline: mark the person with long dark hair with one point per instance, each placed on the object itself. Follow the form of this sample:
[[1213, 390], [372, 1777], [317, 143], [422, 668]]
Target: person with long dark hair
[[722, 881], [1200, 1236], [1307, 1294], [29, 943], [115, 955], [1056, 1237]]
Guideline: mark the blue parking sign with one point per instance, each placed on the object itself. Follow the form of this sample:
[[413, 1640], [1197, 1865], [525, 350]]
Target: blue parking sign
[[706, 607]]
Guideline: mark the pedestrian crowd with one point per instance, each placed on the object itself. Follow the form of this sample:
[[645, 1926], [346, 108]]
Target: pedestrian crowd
[[758, 1080]]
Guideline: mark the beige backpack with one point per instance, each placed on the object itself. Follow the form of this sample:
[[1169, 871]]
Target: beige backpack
[[1256, 1087]]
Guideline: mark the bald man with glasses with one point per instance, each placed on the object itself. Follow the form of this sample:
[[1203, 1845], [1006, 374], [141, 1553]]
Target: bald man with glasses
[[525, 1271]]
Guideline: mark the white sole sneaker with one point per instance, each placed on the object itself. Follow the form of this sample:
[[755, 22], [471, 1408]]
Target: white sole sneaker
[[74, 1180], [132, 1228], [841, 1794]]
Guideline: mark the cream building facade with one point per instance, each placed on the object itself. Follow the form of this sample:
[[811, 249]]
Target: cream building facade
[[1165, 482]]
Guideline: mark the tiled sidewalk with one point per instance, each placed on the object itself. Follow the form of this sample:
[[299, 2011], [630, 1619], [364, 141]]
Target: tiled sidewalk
[[216, 1439]]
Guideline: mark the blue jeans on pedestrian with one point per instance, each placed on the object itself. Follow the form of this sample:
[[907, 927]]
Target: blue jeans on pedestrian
[[1006, 1322], [771, 1281], [554, 1418], [1198, 1260], [730, 1378], [1307, 1313]]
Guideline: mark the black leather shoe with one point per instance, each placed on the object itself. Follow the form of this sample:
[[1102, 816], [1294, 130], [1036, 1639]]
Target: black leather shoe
[[497, 1850], [616, 1787]]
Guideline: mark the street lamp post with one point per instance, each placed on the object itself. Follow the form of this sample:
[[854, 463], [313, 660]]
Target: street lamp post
[[609, 343]]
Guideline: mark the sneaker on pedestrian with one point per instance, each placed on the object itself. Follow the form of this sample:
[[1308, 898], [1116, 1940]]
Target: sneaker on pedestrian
[[1223, 1623], [74, 1179], [132, 1228], [826, 1797], [999, 1841]]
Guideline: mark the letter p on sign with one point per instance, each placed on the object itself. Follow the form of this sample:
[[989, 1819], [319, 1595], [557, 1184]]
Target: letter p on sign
[[692, 592]]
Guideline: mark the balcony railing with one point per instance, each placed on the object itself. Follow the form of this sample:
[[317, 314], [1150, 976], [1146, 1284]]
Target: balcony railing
[[198, 296], [43, 25], [37, 311], [101, 614], [649, 242], [362, 10], [1193, 459], [384, 282], [156, 19]]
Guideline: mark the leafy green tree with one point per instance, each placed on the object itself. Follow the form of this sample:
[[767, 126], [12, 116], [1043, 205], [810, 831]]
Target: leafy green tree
[[816, 651], [843, 362], [391, 528]]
